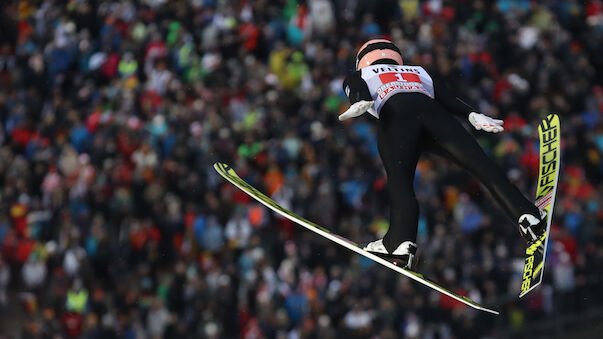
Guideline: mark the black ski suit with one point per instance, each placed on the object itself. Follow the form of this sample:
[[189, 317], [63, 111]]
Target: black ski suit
[[411, 123]]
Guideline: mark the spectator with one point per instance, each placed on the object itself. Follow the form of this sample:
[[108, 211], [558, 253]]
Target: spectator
[[4, 281], [34, 272], [213, 238], [359, 320], [157, 319], [238, 230]]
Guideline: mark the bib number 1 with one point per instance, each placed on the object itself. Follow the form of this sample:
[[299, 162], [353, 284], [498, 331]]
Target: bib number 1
[[402, 77]]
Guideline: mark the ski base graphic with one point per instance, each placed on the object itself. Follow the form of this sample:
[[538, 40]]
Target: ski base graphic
[[549, 132], [229, 174]]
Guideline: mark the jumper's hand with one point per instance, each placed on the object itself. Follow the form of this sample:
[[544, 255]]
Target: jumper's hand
[[484, 122], [357, 109]]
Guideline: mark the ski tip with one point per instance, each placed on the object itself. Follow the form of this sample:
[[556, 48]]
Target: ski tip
[[222, 167]]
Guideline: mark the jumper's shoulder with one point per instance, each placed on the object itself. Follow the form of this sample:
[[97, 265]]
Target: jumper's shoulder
[[351, 77], [355, 87]]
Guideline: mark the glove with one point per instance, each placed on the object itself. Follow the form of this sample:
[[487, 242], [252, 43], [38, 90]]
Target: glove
[[357, 109], [484, 122]]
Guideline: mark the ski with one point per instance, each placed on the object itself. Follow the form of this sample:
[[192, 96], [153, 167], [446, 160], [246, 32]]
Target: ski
[[549, 132], [229, 174]]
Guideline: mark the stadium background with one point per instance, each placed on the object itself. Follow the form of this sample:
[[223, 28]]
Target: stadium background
[[113, 223]]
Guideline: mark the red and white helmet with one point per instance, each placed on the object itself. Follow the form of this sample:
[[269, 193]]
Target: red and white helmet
[[377, 49]]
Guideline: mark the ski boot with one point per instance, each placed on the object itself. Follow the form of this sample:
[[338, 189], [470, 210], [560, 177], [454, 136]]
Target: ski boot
[[404, 256], [531, 228]]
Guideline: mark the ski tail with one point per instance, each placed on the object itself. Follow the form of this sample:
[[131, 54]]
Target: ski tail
[[549, 132]]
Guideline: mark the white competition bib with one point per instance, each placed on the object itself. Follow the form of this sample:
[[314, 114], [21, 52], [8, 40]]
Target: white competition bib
[[383, 81]]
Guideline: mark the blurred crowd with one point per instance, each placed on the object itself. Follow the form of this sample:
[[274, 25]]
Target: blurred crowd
[[114, 224]]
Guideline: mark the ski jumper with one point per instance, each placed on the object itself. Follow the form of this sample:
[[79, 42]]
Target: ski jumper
[[414, 114]]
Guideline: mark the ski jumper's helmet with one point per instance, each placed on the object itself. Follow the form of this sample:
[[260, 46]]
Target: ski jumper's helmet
[[377, 50]]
